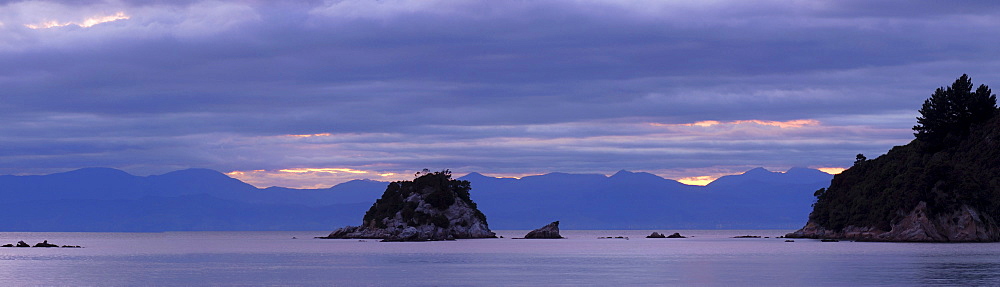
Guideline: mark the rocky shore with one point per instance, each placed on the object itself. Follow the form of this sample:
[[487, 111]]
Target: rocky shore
[[964, 225]]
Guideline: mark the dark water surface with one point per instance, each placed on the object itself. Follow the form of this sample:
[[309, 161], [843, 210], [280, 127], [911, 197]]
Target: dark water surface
[[708, 257]]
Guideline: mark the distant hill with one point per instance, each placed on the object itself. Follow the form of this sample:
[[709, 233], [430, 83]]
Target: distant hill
[[103, 199], [757, 199]]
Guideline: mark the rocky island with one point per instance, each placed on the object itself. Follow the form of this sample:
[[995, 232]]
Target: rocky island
[[549, 231], [431, 207], [944, 186]]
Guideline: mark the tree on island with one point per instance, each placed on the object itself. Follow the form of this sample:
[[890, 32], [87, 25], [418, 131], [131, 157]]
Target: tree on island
[[948, 114], [432, 206]]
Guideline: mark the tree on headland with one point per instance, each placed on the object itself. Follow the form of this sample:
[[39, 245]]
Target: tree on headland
[[953, 162], [951, 111]]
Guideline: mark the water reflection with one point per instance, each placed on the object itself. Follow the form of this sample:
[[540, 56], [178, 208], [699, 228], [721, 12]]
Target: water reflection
[[975, 270], [705, 258]]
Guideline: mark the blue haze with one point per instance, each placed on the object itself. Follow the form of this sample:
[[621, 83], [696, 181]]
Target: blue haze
[[110, 200]]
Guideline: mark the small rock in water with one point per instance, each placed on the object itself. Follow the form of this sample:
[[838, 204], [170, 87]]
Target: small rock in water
[[656, 235], [40, 244], [676, 235], [550, 231], [45, 244]]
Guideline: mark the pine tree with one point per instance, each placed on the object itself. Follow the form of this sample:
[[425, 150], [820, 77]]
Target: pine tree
[[951, 111]]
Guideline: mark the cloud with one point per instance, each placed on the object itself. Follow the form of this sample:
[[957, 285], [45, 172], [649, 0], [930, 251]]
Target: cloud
[[710, 123], [509, 87], [85, 23]]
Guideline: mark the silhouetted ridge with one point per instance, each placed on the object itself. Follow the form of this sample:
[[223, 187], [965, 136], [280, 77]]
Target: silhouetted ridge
[[102, 199], [94, 172]]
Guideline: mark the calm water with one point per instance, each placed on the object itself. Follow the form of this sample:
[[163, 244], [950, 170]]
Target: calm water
[[274, 258]]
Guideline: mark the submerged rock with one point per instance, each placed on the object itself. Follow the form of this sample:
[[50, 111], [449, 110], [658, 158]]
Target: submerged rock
[[40, 244], [550, 231], [676, 235], [45, 244], [431, 207], [661, 235]]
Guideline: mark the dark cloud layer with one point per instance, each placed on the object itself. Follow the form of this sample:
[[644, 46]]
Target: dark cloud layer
[[507, 87]]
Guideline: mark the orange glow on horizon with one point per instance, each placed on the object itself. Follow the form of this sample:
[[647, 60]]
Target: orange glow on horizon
[[511, 175], [87, 23], [310, 177], [240, 172], [832, 170], [326, 177], [698, 180]]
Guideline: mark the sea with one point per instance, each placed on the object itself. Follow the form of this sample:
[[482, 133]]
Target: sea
[[583, 258]]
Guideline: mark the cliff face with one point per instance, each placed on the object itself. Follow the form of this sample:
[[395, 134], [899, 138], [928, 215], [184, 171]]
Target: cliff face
[[431, 207], [917, 193]]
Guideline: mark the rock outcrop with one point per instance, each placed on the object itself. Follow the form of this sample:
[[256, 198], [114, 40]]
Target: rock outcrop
[[661, 235], [45, 244], [431, 207], [963, 225], [940, 187], [550, 231], [40, 244]]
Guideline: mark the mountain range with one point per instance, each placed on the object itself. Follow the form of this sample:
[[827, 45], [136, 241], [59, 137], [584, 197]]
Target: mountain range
[[111, 200]]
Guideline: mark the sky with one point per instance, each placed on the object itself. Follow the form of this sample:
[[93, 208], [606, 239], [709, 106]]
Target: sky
[[314, 93]]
